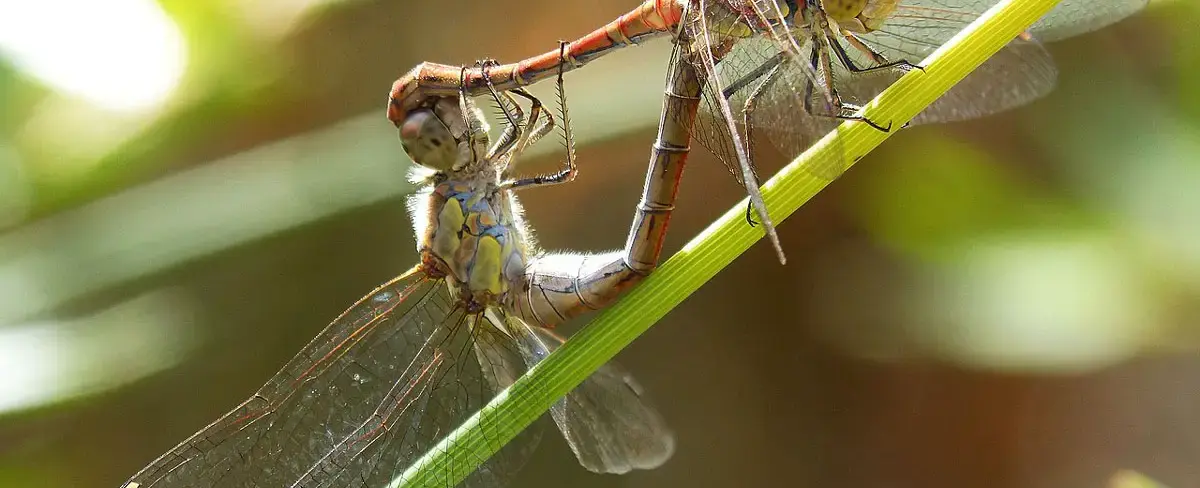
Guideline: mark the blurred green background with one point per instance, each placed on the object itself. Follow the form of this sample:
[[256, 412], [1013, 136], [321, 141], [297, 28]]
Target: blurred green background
[[189, 191]]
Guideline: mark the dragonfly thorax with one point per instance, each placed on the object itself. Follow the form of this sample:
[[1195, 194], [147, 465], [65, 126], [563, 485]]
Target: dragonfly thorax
[[861, 16], [475, 237], [468, 227]]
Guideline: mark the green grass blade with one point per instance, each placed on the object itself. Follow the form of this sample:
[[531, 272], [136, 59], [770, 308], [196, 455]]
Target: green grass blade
[[463, 450]]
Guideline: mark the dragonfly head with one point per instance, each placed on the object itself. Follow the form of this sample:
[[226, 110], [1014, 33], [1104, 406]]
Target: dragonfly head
[[445, 135]]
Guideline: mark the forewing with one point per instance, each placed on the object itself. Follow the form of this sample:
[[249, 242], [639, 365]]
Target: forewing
[[1074, 17], [917, 27], [500, 357], [775, 100], [757, 53], [609, 424], [1021, 72], [371, 393]]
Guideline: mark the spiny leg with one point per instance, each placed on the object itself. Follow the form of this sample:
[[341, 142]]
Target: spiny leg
[[541, 121], [512, 143], [568, 173], [748, 109], [882, 63], [825, 65], [841, 109], [509, 109], [749, 179], [811, 85], [766, 67], [474, 124]]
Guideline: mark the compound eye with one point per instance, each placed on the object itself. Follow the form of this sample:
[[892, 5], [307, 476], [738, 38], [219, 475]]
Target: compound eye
[[428, 141]]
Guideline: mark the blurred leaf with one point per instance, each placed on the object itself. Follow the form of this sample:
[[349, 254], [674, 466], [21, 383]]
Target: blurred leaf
[[53, 361], [1051, 301], [1132, 479], [933, 205]]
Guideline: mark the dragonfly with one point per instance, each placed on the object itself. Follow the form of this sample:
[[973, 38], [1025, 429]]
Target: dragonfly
[[411, 360], [788, 71]]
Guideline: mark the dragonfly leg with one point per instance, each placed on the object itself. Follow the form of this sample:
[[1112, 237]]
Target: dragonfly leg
[[567, 174], [511, 111], [514, 127], [822, 62], [755, 74], [770, 67], [748, 109], [882, 63], [562, 286], [541, 121], [708, 53], [475, 132]]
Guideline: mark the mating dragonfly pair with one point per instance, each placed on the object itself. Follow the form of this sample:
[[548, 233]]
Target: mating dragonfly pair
[[414, 358]]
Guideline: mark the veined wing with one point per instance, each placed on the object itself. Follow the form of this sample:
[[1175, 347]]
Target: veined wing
[[767, 58], [1021, 72], [775, 101], [917, 27], [710, 29], [607, 422], [787, 111], [1074, 17], [369, 395]]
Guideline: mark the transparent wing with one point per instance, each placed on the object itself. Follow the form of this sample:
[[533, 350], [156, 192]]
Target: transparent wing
[[503, 363], [371, 393], [1021, 72], [788, 111], [607, 422], [1074, 17], [917, 27], [710, 29], [770, 95], [762, 66]]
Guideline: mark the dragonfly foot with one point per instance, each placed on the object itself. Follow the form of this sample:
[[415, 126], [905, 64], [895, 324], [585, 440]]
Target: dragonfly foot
[[750, 215], [850, 112], [906, 66], [875, 125], [486, 63]]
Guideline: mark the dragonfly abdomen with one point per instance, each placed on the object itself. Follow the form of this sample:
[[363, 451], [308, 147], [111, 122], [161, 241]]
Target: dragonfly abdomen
[[558, 287]]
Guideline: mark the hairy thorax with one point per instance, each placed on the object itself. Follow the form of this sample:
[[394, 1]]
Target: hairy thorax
[[475, 239], [861, 16]]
